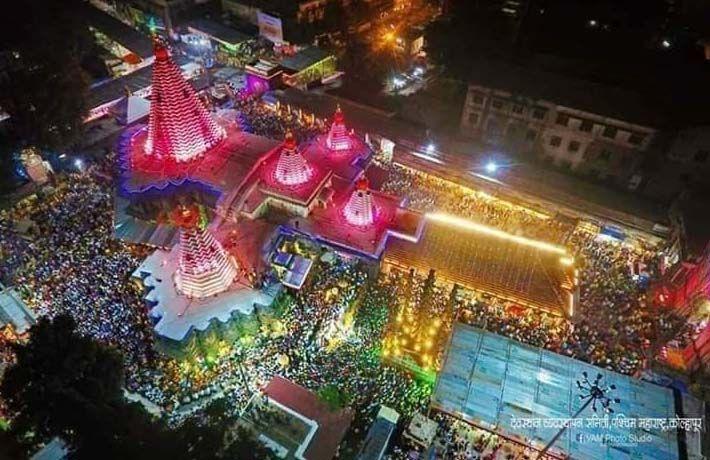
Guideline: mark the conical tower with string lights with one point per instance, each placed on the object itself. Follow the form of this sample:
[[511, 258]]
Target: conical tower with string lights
[[180, 128], [338, 137], [205, 267], [359, 210], [292, 168]]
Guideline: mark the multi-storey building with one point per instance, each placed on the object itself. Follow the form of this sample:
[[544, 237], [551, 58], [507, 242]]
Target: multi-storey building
[[685, 163], [598, 131]]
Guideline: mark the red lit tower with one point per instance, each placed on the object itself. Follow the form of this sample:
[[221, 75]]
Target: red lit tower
[[359, 209], [180, 128], [338, 138], [292, 168], [205, 268]]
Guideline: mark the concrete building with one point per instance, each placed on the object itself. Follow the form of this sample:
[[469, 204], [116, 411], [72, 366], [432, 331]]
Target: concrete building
[[602, 132], [685, 163]]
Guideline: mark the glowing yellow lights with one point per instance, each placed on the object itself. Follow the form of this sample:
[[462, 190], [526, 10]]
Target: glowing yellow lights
[[437, 322], [567, 261], [428, 344], [476, 227]]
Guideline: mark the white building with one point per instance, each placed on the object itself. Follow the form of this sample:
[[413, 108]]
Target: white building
[[600, 131]]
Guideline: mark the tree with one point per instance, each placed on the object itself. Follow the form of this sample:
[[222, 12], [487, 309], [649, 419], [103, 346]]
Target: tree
[[45, 89], [58, 375], [67, 385]]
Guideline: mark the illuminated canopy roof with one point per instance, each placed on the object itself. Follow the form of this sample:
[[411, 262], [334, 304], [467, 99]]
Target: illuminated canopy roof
[[490, 381], [180, 128], [528, 272]]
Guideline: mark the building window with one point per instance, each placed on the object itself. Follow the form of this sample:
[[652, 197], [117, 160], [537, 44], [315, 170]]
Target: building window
[[555, 141], [636, 138], [573, 146], [531, 135], [605, 155], [493, 128], [478, 98], [473, 118], [609, 132], [701, 156], [586, 126], [562, 119], [497, 104], [517, 108]]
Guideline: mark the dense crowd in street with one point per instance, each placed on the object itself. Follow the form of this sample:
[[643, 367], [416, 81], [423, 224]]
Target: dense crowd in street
[[616, 328], [71, 264], [430, 194]]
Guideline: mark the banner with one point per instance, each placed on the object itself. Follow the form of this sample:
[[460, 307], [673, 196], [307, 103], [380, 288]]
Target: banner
[[270, 27]]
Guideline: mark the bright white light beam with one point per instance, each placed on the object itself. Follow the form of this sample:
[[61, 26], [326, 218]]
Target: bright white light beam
[[476, 227]]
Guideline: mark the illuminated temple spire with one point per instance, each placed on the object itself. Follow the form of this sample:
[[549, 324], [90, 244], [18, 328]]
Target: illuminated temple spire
[[359, 209], [180, 127], [338, 138], [292, 168], [205, 267]]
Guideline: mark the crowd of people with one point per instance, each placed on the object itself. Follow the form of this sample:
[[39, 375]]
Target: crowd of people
[[330, 333], [256, 117], [70, 263], [430, 194]]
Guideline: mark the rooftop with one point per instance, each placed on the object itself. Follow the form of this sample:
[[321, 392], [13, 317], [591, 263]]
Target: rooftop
[[111, 90], [490, 381], [609, 101], [330, 225], [177, 316], [218, 31], [223, 168], [13, 311], [527, 272], [128, 37], [305, 58], [331, 424]]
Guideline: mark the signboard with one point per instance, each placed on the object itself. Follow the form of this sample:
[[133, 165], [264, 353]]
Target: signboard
[[270, 27]]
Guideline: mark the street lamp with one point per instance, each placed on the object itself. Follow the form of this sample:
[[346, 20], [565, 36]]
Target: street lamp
[[491, 167], [592, 393]]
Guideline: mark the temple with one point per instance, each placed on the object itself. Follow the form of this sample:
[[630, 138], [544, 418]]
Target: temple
[[338, 138], [179, 128], [205, 268], [242, 200], [231, 199], [292, 168], [359, 209]]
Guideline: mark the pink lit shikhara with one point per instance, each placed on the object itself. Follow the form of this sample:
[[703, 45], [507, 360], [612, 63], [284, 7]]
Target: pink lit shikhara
[[292, 168], [359, 209], [338, 137], [180, 128], [205, 268]]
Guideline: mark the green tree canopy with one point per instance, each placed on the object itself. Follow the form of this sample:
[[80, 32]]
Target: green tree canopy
[[70, 386]]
